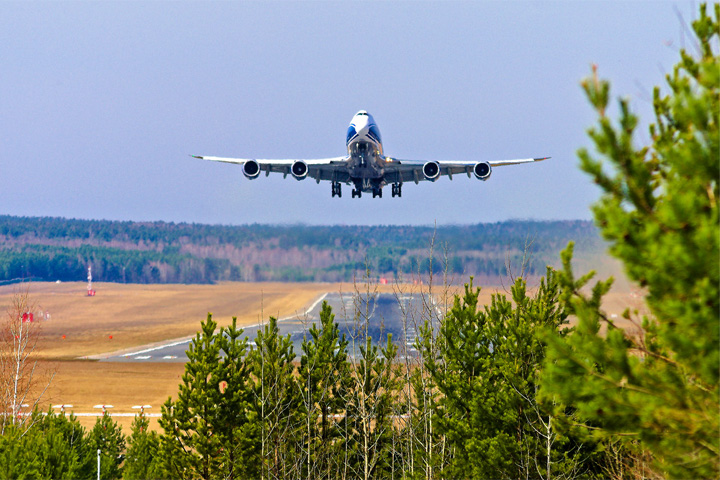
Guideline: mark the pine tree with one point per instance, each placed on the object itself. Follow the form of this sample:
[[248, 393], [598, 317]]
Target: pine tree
[[486, 374], [238, 424], [275, 401], [190, 446], [55, 446], [142, 461], [107, 437], [64, 447], [656, 390], [211, 430], [16, 459], [322, 366], [517, 329], [370, 393], [472, 401]]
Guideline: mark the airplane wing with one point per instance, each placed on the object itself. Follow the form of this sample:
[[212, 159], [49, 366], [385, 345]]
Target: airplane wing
[[333, 169], [401, 171]]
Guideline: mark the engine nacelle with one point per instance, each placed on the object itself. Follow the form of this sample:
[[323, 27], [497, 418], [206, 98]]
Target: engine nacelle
[[482, 170], [299, 170], [431, 170], [251, 169]]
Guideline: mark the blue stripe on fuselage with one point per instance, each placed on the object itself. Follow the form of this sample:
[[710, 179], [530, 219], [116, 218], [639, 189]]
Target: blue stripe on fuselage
[[351, 133], [373, 137], [372, 134]]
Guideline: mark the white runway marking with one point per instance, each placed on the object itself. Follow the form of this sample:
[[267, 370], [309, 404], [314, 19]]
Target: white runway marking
[[187, 340], [312, 307], [96, 414], [100, 414], [157, 348]]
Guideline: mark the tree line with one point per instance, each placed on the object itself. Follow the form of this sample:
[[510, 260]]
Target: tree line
[[53, 249], [549, 234]]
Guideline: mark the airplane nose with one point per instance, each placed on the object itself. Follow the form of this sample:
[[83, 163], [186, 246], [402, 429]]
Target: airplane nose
[[361, 123]]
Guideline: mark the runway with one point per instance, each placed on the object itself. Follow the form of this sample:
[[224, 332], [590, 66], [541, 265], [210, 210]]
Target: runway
[[385, 314]]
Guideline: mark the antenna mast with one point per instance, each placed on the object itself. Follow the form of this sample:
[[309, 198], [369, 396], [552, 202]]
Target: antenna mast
[[91, 292]]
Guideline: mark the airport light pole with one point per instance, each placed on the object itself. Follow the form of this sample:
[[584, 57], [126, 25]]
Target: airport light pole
[[20, 413], [141, 408], [104, 408], [98, 476], [62, 407]]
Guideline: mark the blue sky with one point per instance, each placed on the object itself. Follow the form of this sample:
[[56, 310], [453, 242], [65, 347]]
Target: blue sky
[[102, 103]]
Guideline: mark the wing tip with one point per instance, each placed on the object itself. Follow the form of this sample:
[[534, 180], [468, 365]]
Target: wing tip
[[197, 156], [540, 159]]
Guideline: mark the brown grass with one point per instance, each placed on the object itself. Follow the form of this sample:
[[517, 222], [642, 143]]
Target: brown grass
[[136, 315], [86, 383]]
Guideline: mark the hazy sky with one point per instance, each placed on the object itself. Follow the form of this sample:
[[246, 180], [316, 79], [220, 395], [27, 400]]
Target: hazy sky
[[102, 103]]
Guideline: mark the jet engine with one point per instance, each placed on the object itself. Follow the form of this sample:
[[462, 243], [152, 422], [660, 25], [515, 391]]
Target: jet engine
[[482, 170], [251, 169], [299, 170], [431, 170]]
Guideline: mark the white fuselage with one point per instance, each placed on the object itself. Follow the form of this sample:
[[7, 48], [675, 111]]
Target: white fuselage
[[365, 151]]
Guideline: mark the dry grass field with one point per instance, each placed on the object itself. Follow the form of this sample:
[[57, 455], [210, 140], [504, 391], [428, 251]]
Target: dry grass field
[[123, 316], [137, 315], [86, 383]]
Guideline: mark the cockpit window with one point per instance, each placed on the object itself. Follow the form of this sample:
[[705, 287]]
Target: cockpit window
[[362, 113]]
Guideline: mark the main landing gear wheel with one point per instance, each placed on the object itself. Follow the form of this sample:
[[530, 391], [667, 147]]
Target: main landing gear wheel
[[397, 189], [356, 193], [336, 189], [377, 192]]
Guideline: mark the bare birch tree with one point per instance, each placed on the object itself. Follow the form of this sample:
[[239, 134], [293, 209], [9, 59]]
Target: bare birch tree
[[22, 381], [423, 448]]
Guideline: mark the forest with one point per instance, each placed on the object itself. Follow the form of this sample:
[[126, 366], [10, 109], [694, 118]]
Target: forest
[[50, 249]]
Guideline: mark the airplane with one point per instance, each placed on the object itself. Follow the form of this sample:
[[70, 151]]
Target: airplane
[[365, 166]]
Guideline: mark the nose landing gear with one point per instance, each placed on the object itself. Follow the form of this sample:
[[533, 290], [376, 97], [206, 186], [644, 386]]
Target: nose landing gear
[[374, 187], [336, 190]]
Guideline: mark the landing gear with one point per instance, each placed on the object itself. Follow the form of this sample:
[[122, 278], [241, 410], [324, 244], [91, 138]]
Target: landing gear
[[336, 190], [356, 192], [377, 192], [397, 189]]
